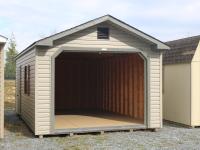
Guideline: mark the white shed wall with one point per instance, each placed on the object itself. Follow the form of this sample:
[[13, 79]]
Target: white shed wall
[[177, 93], [195, 88], [87, 38]]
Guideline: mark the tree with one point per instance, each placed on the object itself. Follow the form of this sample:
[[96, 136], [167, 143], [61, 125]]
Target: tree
[[11, 53]]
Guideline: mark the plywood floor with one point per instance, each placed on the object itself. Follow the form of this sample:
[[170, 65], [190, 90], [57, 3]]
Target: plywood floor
[[72, 121]]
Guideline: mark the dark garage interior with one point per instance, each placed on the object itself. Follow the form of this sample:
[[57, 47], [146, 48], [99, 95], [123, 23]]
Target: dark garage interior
[[98, 89]]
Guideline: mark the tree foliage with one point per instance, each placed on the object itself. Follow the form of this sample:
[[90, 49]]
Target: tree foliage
[[11, 53]]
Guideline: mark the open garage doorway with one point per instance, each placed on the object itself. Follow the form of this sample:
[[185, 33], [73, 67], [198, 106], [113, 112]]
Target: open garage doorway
[[99, 91]]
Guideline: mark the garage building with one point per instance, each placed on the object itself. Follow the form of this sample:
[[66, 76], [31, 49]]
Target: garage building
[[103, 75]]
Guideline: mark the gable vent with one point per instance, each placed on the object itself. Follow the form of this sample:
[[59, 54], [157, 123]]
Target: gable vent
[[102, 33]]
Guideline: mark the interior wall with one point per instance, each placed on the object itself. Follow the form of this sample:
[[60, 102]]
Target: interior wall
[[123, 85], [106, 82], [75, 84]]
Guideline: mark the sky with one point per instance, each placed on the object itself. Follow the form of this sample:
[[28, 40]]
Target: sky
[[30, 20]]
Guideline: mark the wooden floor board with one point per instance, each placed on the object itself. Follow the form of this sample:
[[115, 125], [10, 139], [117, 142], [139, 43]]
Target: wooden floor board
[[93, 120]]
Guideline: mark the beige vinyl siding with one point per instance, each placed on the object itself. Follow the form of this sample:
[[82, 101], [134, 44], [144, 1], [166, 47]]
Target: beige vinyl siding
[[155, 96], [195, 88], [88, 38], [27, 101], [1, 94], [177, 93], [43, 90]]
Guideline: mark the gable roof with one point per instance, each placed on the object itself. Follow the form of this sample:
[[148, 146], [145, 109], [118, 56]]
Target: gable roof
[[182, 50], [48, 41], [3, 39]]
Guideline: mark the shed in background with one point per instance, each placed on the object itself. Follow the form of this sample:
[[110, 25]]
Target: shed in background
[[181, 90]]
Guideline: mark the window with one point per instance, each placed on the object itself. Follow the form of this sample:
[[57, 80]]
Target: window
[[102, 33], [27, 80]]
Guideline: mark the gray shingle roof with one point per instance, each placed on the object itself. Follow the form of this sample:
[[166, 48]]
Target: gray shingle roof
[[182, 50]]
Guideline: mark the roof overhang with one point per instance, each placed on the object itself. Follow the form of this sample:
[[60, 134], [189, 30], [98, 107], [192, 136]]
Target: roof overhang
[[48, 41]]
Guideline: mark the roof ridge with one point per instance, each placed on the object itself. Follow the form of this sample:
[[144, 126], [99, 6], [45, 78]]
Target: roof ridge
[[72, 27], [186, 38], [182, 50], [48, 41]]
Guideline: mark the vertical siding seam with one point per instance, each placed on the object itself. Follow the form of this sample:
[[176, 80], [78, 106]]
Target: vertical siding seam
[[191, 99], [149, 93], [36, 87], [146, 89], [52, 95], [144, 56], [161, 97]]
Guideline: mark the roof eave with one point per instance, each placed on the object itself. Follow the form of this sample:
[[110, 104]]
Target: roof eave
[[163, 47], [42, 43], [49, 41], [46, 42], [160, 45], [25, 50]]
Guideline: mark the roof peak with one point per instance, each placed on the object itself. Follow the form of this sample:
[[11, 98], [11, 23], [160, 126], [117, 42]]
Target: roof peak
[[48, 41]]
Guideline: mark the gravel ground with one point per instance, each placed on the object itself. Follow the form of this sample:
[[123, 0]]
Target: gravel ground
[[18, 137]]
